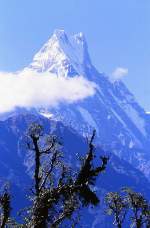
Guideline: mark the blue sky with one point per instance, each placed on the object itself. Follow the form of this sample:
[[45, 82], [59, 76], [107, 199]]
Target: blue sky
[[117, 32]]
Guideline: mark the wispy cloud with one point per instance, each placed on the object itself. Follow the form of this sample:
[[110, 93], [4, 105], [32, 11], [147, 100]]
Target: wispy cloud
[[118, 73], [31, 89]]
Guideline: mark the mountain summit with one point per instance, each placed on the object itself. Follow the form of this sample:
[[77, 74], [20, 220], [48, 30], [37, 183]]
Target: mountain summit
[[122, 125], [63, 55]]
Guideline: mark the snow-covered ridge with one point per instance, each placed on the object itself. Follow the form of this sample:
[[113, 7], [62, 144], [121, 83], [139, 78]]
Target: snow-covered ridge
[[62, 54]]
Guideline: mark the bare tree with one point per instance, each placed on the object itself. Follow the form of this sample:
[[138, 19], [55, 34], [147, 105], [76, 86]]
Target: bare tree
[[4, 207], [116, 206], [59, 191], [139, 208], [131, 202]]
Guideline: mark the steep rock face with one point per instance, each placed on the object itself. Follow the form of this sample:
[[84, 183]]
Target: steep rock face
[[121, 124]]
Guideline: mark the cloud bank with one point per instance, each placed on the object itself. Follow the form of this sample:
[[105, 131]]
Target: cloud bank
[[119, 73], [31, 89]]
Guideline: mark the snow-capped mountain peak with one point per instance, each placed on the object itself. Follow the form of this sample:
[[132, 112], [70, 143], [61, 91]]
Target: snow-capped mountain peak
[[120, 122], [62, 54]]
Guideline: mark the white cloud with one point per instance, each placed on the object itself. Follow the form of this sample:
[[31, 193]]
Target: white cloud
[[119, 73], [31, 89]]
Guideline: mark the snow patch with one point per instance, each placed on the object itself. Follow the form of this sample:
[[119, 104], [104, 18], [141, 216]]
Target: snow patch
[[131, 144], [88, 118], [47, 114], [137, 120]]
